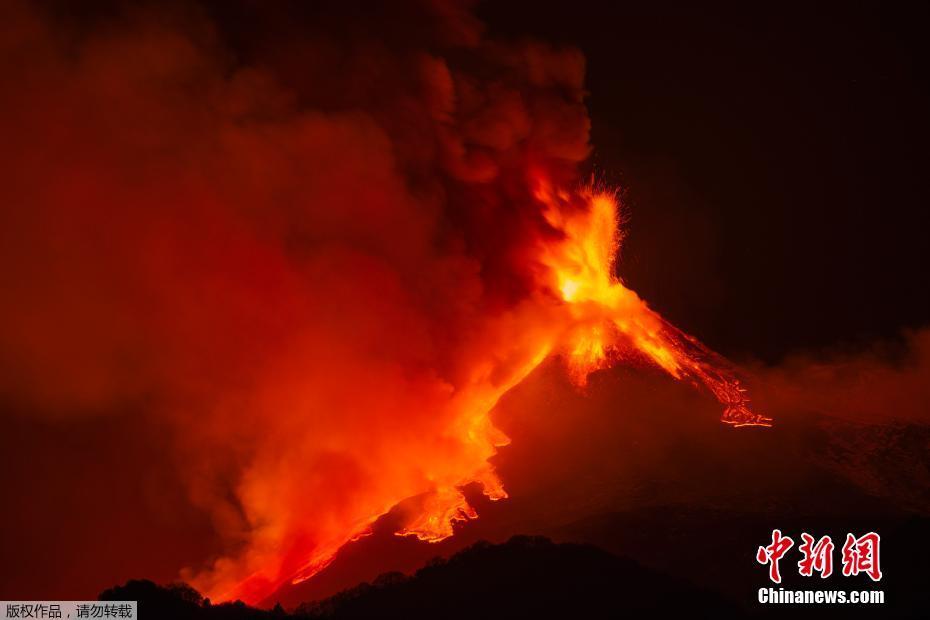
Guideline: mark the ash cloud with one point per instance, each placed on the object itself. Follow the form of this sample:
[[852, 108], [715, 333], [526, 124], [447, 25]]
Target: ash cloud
[[886, 383], [279, 248]]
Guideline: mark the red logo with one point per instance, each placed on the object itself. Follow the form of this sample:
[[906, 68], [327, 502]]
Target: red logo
[[773, 553], [817, 557], [860, 555]]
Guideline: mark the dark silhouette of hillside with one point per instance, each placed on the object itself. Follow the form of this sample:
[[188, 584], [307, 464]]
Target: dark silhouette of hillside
[[533, 577], [524, 577]]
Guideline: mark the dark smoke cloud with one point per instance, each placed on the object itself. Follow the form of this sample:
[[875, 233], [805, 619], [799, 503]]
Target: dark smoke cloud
[[884, 384], [278, 248]]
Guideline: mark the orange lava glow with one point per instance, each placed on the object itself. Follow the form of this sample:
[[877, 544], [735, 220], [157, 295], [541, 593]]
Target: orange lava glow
[[317, 266], [606, 317], [582, 312]]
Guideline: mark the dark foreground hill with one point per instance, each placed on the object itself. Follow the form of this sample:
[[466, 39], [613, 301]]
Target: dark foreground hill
[[525, 577], [533, 577]]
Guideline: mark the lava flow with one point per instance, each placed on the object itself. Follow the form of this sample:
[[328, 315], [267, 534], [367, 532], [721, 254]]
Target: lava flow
[[312, 262], [606, 316], [580, 311]]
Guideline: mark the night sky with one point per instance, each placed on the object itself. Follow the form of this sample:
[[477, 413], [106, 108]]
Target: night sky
[[773, 156]]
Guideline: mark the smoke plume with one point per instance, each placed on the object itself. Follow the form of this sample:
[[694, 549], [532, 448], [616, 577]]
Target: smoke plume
[[309, 258]]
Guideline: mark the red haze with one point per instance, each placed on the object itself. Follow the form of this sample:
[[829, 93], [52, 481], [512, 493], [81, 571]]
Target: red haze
[[314, 270]]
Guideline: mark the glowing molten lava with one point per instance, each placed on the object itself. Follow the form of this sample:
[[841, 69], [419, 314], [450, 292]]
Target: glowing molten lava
[[580, 311], [606, 317], [319, 269]]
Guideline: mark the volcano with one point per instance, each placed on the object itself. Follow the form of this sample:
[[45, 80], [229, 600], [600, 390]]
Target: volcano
[[302, 294]]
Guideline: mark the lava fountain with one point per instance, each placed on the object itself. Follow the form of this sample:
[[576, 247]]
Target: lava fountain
[[318, 260], [580, 311]]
